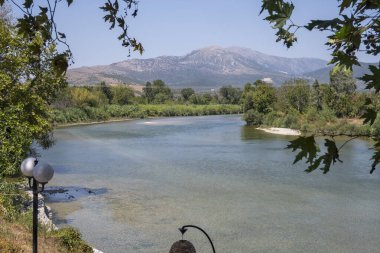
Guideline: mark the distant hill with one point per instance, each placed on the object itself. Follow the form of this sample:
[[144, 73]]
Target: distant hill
[[205, 68], [322, 75]]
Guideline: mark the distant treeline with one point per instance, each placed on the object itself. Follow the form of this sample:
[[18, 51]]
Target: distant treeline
[[103, 102]]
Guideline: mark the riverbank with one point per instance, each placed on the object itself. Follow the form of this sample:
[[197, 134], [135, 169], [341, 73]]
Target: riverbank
[[16, 223], [45, 214], [113, 113]]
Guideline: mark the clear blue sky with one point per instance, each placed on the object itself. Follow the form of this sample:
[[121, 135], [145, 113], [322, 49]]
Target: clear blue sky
[[176, 27]]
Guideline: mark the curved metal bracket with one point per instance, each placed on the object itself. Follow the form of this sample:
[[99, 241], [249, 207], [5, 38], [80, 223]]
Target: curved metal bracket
[[184, 229]]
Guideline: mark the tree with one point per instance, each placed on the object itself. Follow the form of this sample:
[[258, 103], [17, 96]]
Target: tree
[[122, 95], [260, 97], [200, 99], [157, 92], [106, 91], [316, 96], [186, 93], [230, 95], [29, 82], [296, 94], [341, 80], [356, 28]]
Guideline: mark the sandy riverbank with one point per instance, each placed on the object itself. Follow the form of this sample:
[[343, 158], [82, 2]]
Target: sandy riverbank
[[280, 131]]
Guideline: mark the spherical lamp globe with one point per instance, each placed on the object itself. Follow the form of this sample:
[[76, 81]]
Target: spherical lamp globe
[[27, 166], [43, 172]]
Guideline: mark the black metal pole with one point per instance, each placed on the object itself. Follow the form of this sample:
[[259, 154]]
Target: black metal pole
[[183, 231], [35, 215]]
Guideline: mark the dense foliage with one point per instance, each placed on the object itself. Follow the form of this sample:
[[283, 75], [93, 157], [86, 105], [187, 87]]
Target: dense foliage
[[29, 81], [103, 102], [316, 108]]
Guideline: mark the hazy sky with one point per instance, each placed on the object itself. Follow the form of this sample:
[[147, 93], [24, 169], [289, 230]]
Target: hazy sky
[[176, 27]]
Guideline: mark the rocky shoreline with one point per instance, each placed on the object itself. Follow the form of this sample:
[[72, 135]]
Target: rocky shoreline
[[45, 214]]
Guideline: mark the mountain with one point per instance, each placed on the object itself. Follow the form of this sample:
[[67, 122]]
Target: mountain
[[205, 68]]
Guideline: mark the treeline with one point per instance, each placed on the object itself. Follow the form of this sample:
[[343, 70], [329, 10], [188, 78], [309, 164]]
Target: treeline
[[103, 102], [331, 108]]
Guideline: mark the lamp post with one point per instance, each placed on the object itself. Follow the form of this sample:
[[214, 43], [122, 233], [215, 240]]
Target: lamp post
[[184, 246], [38, 173]]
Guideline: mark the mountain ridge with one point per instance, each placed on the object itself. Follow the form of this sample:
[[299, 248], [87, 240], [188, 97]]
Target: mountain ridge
[[204, 68]]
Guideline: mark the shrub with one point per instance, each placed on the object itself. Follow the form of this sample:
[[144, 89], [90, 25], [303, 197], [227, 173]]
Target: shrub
[[71, 239], [12, 200], [311, 114], [253, 118], [327, 115], [292, 120]]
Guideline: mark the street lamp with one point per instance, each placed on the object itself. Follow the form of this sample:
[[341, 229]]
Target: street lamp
[[184, 246], [38, 173]]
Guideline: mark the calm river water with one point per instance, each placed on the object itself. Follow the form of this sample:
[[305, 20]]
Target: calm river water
[[153, 176]]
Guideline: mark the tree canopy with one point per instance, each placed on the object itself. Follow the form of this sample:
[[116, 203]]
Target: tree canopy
[[29, 81]]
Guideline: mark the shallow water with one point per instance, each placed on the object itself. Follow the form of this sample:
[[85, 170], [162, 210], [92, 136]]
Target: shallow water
[[236, 182]]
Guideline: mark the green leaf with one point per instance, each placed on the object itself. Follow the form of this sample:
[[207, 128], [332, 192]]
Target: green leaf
[[308, 148], [329, 158], [369, 116], [372, 80], [28, 3], [344, 59], [69, 2], [60, 64], [1, 2], [44, 10], [345, 4], [323, 24], [314, 165], [343, 32], [375, 157]]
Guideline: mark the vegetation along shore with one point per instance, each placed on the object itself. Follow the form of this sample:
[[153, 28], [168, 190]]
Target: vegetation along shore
[[333, 108]]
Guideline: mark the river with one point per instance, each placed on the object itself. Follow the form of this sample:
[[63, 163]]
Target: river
[[152, 176]]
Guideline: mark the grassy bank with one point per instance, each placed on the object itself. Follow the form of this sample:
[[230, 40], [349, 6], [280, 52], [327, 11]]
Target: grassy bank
[[16, 225], [108, 112]]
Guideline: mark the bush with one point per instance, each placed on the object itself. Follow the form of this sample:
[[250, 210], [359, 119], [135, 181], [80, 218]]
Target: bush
[[327, 115], [311, 114], [273, 119], [253, 118], [292, 120], [375, 128], [71, 239], [12, 200], [72, 115]]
